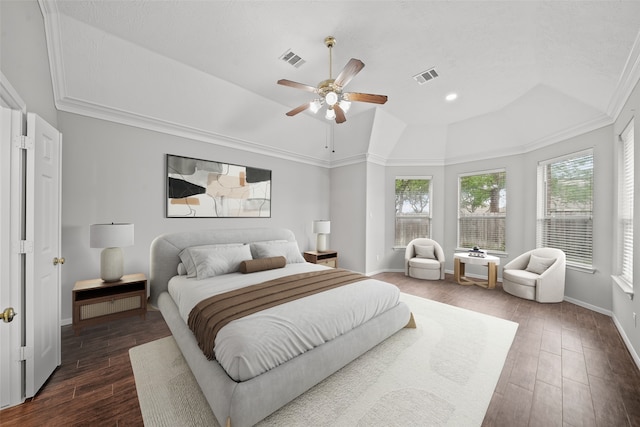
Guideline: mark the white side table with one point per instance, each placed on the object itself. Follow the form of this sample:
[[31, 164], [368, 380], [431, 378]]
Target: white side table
[[462, 258]]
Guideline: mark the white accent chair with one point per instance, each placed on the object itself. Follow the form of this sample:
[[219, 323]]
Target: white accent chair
[[424, 259], [536, 275]]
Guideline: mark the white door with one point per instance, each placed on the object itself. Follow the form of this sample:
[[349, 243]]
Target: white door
[[11, 367], [42, 280]]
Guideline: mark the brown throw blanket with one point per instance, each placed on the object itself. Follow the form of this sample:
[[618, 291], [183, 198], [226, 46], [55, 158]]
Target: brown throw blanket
[[211, 314]]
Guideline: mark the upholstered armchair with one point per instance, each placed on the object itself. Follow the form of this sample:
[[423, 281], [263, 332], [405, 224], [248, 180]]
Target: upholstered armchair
[[424, 259], [537, 275]]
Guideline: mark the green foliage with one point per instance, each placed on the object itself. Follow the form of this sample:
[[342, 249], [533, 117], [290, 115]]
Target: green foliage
[[414, 192], [481, 191]]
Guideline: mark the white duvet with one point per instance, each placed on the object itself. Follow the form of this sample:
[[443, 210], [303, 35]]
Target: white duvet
[[252, 345]]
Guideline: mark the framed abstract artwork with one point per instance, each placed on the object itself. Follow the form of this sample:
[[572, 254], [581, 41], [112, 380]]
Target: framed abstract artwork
[[199, 188]]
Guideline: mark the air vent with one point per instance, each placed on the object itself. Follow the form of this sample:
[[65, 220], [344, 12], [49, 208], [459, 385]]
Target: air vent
[[292, 59], [425, 76]]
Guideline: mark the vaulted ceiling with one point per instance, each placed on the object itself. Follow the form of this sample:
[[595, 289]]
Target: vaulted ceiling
[[527, 73]]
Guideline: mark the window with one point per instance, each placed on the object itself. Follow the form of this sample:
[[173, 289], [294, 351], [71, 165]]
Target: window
[[625, 207], [413, 209], [565, 205], [482, 210]]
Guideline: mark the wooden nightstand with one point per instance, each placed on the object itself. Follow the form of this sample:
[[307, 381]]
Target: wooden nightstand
[[95, 301], [328, 258]]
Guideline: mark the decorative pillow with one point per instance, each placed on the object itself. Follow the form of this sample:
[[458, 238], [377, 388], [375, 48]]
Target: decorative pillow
[[187, 258], [289, 250], [211, 262], [262, 264], [425, 251], [182, 270], [538, 264], [253, 248]]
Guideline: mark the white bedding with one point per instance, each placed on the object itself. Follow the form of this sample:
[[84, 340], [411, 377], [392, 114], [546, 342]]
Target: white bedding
[[252, 345]]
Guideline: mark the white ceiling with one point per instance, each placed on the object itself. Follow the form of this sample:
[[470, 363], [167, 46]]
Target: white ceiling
[[534, 68]]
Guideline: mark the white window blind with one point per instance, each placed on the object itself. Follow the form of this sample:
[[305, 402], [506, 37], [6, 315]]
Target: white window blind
[[625, 206], [413, 209], [565, 207], [482, 210]]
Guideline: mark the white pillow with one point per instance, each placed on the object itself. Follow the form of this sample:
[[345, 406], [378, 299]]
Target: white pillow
[[211, 262], [425, 251], [538, 264], [187, 258], [289, 250], [182, 270]]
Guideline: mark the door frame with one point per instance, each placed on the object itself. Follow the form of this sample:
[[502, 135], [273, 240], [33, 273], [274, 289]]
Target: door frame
[[11, 263]]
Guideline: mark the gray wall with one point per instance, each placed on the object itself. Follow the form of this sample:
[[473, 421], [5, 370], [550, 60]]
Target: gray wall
[[113, 172], [623, 307], [116, 173], [23, 56]]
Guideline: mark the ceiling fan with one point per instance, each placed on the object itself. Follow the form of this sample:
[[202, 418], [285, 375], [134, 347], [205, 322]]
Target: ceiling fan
[[330, 90]]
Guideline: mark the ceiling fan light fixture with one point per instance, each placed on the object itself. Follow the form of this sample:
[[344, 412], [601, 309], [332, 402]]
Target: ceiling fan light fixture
[[315, 106], [330, 114], [331, 98], [345, 105]]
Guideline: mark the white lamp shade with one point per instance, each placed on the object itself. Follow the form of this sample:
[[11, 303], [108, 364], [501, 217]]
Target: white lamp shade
[[322, 226], [110, 235]]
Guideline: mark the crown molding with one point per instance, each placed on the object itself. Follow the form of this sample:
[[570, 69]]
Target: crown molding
[[50, 13], [627, 82], [10, 96], [565, 134], [128, 118]]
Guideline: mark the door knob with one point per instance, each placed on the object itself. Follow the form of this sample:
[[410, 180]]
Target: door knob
[[57, 261], [8, 314]]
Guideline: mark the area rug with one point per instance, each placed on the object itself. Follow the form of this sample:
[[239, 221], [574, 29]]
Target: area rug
[[443, 373]]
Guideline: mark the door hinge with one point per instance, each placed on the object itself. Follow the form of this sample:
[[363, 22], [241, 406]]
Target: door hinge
[[25, 353], [24, 142], [24, 247]]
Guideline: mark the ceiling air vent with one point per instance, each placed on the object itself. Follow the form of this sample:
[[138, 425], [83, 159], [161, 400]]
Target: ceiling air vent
[[425, 76], [292, 59]]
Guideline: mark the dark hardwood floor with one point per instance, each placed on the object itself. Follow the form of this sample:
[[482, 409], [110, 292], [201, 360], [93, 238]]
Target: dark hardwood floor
[[567, 366]]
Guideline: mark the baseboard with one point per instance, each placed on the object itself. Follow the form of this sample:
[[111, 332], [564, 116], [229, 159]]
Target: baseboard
[[589, 306], [65, 322], [627, 342]]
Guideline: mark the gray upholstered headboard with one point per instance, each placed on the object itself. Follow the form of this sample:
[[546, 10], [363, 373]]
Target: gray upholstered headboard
[[164, 261]]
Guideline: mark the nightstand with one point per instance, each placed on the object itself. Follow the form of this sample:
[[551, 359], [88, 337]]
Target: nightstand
[[96, 301], [328, 258]]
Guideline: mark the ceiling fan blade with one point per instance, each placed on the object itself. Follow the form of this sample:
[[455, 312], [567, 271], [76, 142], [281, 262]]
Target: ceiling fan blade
[[349, 71], [340, 118], [365, 97], [299, 109], [296, 85]]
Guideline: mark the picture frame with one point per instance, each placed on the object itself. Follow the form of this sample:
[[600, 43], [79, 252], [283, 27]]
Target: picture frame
[[198, 188]]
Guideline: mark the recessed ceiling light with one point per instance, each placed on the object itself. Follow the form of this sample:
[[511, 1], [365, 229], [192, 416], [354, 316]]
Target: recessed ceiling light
[[451, 97]]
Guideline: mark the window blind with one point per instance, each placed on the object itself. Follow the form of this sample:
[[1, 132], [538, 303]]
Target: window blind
[[625, 205], [565, 207]]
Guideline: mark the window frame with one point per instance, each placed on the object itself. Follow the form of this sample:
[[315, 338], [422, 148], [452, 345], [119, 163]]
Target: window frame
[[459, 246], [429, 216], [542, 199], [624, 242]]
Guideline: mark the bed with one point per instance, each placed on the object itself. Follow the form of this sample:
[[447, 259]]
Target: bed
[[248, 394]]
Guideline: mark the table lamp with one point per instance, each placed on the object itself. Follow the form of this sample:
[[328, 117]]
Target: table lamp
[[112, 237], [322, 228]]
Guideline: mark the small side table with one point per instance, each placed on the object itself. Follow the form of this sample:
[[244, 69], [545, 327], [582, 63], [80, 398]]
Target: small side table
[[492, 262], [328, 258], [96, 301]]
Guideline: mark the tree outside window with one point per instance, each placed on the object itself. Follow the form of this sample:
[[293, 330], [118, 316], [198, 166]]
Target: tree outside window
[[482, 210], [413, 209], [565, 207]]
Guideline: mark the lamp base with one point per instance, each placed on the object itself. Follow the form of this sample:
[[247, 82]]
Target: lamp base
[[111, 264], [321, 242]]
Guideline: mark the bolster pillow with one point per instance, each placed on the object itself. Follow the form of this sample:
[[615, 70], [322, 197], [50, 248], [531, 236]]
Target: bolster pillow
[[261, 264]]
